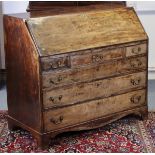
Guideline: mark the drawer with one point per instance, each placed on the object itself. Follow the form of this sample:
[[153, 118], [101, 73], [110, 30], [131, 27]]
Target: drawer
[[91, 90], [89, 57], [55, 62], [102, 54], [62, 117], [97, 56], [57, 79], [86, 57], [135, 50]]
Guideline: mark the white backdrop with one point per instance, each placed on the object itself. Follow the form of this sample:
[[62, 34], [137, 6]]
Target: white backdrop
[[10, 7]]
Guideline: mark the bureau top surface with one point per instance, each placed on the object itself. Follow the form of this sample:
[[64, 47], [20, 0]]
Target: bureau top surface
[[72, 32]]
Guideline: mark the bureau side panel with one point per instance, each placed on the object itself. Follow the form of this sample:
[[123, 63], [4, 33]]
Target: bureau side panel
[[23, 82]]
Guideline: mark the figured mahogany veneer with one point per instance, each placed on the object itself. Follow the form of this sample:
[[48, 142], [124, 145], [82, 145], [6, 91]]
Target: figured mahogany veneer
[[75, 71]]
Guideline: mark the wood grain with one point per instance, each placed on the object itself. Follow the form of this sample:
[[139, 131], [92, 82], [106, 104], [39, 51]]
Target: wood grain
[[78, 59], [39, 9], [23, 74], [136, 50], [88, 73], [75, 71], [50, 5], [56, 119], [100, 55], [92, 56], [85, 30], [91, 90]]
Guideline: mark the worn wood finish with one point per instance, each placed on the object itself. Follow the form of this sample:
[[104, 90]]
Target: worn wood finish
[[91, 90], [49, 5], [59, 118], [22, 63], [55, 62], [136, 50], [85, 30], [74, 60], [45, 8], [75, 71], [60, 78], [102, 55], [92, 56]]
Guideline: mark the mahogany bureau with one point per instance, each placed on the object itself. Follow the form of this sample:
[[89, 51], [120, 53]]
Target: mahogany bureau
[[75, 71]]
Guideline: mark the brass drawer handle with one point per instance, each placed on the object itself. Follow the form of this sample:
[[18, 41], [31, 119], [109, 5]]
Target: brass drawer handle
[[51, 99], [56, 80], [135, 81], [136, 50], [60, 78], [52, 81], [57, 121], [136, 63], [56, 99], [53, 65], [56, 64], [97, 58], [135, 99]]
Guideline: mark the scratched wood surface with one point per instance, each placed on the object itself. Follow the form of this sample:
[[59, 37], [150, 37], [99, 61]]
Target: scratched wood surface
[[55, 119], [88, 73], [75, 71], [91, 90], [73, 32], [23, 83], [91, 56]]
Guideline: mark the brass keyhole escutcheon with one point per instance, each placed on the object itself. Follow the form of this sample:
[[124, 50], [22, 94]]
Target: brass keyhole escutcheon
[[60, 78], [59, 63], [60, 97]]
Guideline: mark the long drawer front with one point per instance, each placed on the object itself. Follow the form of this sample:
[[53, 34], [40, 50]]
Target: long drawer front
[[92, 90], [91, 56], [61, 117], [66, 77]]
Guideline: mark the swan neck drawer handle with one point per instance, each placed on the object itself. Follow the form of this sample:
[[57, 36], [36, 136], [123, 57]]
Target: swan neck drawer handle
[[56, 80], [57, 121], [136, 50], [55, 99], [135, 81], [136, 63], [135, 99]]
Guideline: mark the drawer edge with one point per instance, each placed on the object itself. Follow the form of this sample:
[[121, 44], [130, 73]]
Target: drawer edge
[[102, 121]]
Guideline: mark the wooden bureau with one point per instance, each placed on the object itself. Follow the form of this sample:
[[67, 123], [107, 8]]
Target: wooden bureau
[[75, 71]]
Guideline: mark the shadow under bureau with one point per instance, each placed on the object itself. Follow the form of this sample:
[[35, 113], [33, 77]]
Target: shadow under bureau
[[75, 71]]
